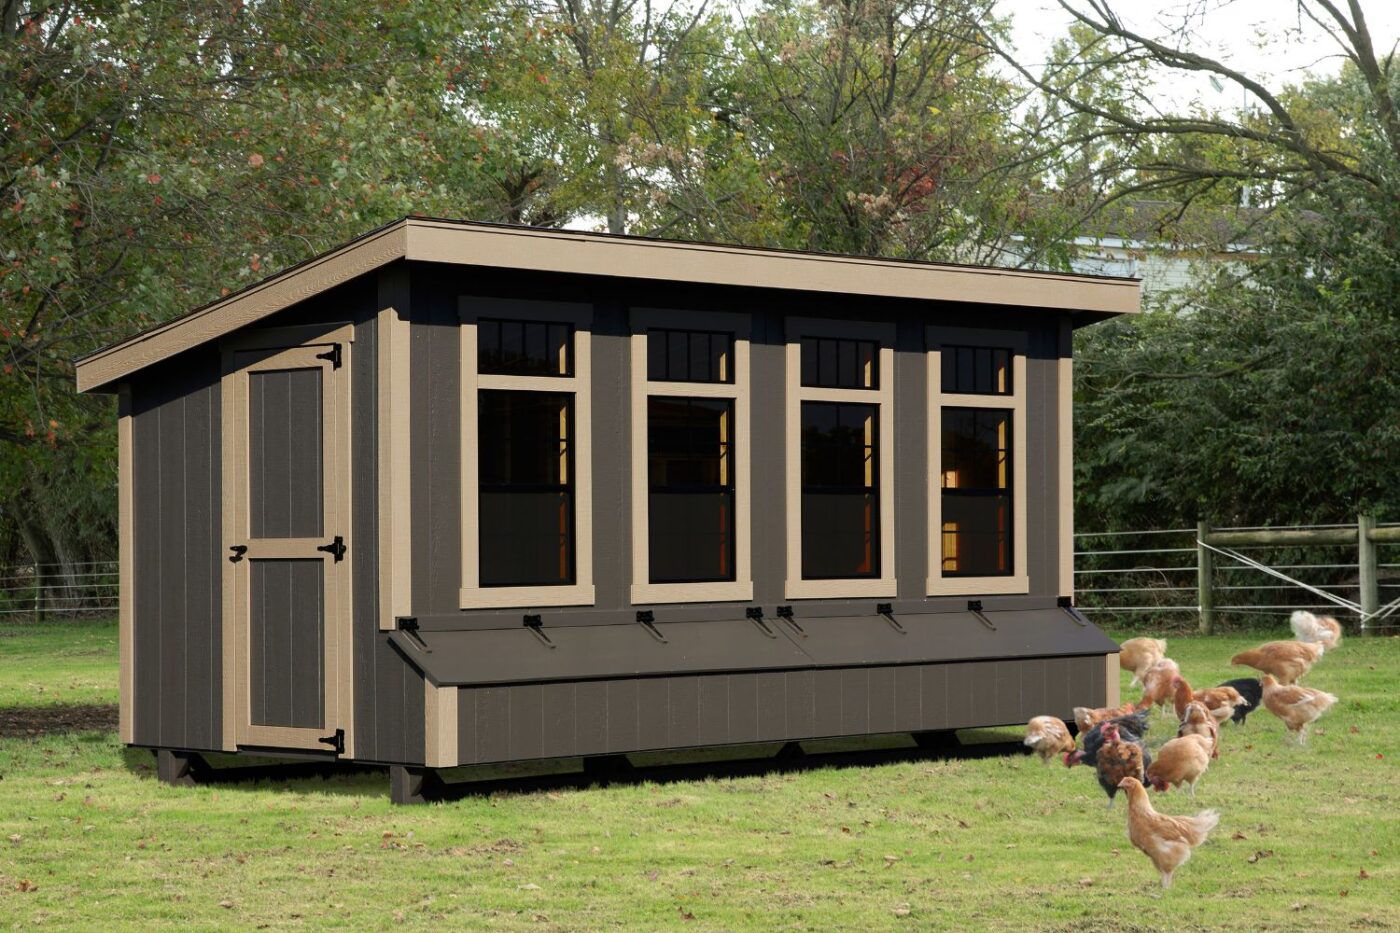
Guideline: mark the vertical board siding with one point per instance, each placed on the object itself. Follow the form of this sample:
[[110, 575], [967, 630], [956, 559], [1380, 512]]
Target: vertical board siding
[[435, 471], [286, 631], [525, 721], [176, 537]]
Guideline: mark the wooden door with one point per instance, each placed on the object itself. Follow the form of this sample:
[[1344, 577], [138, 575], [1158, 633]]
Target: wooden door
[[288, 538]]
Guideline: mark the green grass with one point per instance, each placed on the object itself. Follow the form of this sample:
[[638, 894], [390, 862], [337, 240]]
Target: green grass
[[58, 663], [998, 843]]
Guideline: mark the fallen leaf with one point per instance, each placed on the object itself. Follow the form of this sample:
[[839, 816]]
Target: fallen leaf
[[1264, 853], [15, 837], [1343, 893], [226, 905], [1237, 835], [1354, 730], [902, 911], [685, 914], [653, 875], [890, 860], [26, 886], [529, 886], [1364, 874], [968, 857], [1086, 882], [1297, 906]]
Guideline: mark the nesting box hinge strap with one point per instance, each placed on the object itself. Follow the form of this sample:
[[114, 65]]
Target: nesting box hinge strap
[[536, 627], [647, 620], [755, 615], [335, 741], [409, 626], [785, 613], [1067, 604], [974, 606], [886, 612], [333, 354]]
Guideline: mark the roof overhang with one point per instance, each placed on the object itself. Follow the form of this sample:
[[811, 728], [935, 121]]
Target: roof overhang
[[1090, 298]]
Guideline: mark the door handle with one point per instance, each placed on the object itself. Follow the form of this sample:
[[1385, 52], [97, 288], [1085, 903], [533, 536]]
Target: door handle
[[238, 551]]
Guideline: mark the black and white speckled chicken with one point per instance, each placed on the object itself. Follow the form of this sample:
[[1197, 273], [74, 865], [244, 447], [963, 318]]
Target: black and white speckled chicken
[[1133, 727], [1120, 757]]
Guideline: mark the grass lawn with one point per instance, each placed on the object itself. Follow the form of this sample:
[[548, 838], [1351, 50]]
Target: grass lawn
[[1308, 839]]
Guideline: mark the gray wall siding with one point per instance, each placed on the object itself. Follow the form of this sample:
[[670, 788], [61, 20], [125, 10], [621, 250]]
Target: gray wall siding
[[602, 717], [176, 489]]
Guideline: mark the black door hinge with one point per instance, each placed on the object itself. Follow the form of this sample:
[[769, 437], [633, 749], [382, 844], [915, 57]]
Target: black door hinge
[[333, 354], [238, 551], [336, 741], [336, 548]]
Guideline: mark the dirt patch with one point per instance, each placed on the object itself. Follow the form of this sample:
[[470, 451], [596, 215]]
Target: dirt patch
[[34, 721]]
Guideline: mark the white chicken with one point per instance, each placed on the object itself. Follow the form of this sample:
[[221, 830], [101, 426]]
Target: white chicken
[[1323, 630]]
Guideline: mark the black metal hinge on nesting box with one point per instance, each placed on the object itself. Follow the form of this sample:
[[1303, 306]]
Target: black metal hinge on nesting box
[[409, 626], [647, 620], [974, 606], [333, 354], [785, 613], [536, 626], [336, 741], [886, 612], [1067, 604], [755, 615]]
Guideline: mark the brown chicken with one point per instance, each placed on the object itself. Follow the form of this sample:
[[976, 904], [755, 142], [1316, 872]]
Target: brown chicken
[[1220, 701], [1138, 654], [1287, 661], [1298, 707], [1324, 630], [1198, 721], [1086, 717], [1157, 687], [1119, 757], [1181, 761], [1048, 737], [1167, 840]]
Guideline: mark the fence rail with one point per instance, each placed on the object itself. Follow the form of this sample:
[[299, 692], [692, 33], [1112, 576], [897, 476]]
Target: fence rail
[[56, 591]]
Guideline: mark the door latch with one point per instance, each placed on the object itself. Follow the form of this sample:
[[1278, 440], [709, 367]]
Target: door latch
[[238, 551], [336, 548]]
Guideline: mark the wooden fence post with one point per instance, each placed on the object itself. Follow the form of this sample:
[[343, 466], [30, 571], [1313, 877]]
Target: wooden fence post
[[1370, 598], [1205, 573]]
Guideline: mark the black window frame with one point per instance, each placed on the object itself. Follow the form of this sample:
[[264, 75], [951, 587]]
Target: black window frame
[[669, 334], [726, 487], [486, 368], [874, 490], [1009, 493]]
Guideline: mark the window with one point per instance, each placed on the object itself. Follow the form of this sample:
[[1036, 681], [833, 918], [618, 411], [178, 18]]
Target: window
[[840, 491], [526, 415], [840, 470], [691, 500], [977, 453], [526, 514], [690, 496]]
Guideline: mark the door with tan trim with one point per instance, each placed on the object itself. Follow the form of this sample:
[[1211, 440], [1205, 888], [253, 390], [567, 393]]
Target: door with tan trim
[[288, 540]]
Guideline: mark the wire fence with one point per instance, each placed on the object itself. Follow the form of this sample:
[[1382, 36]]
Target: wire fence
[[1129, 577], [1121, 577], [58, 591]]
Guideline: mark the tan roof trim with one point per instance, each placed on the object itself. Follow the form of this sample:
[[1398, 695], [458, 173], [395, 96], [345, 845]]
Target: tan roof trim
[[246, 307], [568, 251]]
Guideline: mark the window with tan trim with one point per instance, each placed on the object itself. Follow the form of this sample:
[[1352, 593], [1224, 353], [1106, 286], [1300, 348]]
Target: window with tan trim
[[840, 459], [977, 462], [527, 518], [690, 457]]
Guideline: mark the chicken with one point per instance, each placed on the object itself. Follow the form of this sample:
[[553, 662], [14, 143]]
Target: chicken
[[1287, 661], [1048, 737], [1157, 687], [1181, 761], [1119, 757], [1220, 701], [1138, 654], [1167, 840], [1198, 721], [1298, 707], [1324, 630], [1251, 691], [1132, 727], [1086, 717]]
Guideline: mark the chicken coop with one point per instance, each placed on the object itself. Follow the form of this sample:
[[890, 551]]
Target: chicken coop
[[456, 493]]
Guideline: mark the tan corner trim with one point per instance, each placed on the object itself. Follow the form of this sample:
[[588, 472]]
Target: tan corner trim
[[472, 595], [883, 333], [343, 622], [1112, 691], [643, 591], [1064, 408], [126, 563], [1019, 582], [440, 727], [235, 528], [395, 421], [246, 307]]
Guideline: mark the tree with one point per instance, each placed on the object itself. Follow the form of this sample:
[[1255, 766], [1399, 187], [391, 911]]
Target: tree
[[1267, 392]]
